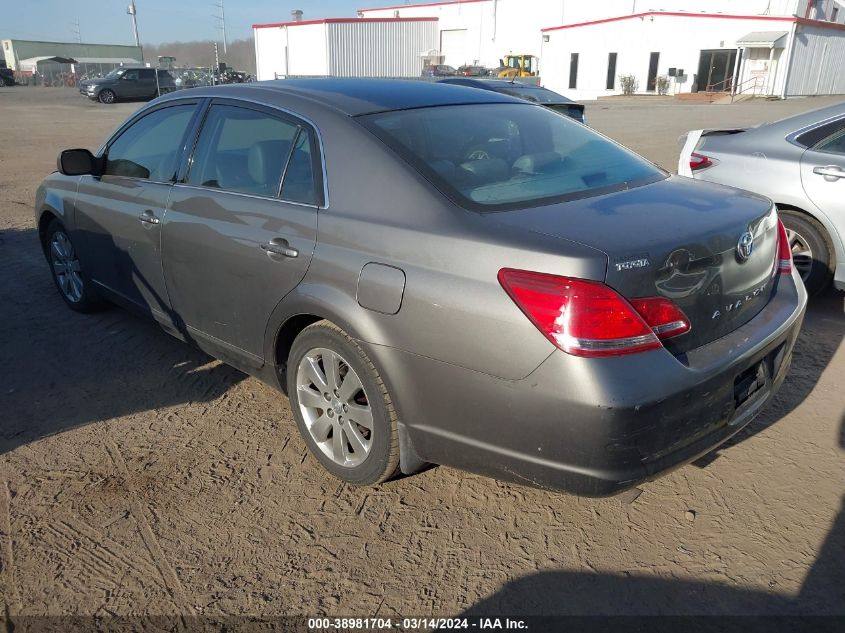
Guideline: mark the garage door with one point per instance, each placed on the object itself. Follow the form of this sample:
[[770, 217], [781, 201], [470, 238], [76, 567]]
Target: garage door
[[453, 47]]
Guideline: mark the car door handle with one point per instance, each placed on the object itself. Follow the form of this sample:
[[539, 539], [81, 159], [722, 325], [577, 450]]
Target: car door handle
[[279, 246], [148, 217], [830, 172]]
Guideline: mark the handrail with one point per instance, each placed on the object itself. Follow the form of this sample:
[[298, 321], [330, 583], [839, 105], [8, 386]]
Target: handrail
[[726, 83], [755, 84]]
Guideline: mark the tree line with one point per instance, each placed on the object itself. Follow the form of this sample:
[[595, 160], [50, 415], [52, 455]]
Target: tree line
[[240, 56]]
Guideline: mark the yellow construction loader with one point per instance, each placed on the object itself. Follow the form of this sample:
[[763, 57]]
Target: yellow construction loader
[[518, 66]]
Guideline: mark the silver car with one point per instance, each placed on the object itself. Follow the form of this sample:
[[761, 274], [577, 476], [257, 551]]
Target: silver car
[[799, 163], [437, 274]]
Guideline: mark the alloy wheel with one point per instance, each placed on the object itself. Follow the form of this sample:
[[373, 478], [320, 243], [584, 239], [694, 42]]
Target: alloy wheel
[[335, 407], [802, 254], [107, 96], [66, 267]]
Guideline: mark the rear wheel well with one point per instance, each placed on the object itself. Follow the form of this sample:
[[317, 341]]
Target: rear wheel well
[[284, 341], [815, 221]]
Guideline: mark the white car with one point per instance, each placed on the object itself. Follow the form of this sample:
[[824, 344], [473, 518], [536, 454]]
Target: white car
[[799, 163]]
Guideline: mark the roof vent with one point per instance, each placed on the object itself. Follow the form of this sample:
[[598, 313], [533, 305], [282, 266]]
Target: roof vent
[[297, 15]]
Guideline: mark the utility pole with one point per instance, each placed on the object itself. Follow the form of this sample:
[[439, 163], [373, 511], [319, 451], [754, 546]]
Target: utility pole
[[222, 25], [77, 32], [133, 13]]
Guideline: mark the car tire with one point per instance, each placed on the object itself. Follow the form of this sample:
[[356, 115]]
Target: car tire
[[334, 408], [74, 286], [812, 250], [106, 96]]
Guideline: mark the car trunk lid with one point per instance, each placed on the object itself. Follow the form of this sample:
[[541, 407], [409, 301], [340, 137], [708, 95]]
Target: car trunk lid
[[678, 239]]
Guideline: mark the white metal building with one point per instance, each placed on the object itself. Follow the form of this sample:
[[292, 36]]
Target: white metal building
[[352, 47], [775, 47], [763, 55]]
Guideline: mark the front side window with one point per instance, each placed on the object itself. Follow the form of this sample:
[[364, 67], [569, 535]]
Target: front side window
[[130, 75], [149, 148], [504, 156], [242, 150]]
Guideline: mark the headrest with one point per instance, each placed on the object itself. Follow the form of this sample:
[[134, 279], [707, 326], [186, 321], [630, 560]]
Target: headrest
[[486, 171], [536, 163], [265, 161]]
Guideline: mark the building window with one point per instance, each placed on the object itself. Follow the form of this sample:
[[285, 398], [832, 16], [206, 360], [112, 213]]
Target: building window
[[611, 71], [573, 71], [834, 14]]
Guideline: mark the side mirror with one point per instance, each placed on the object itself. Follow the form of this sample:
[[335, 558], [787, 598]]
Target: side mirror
[[77, 162]]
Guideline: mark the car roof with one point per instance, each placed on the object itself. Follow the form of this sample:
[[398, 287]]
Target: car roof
[[805, 119], [356, 96]]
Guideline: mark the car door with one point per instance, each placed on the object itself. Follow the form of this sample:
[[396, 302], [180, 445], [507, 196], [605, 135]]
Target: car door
[[118, 215], [823, 172], [241, 225], [147, 83], [127, 86]]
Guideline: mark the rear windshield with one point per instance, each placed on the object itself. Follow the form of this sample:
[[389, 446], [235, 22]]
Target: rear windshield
[[537, 95], [500, 156]]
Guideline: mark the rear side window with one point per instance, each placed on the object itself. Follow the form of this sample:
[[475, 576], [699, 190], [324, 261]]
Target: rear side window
[[147, 73], [505, 156], [834, 144], [299, 183], [149, 147], [815, 136], [242, 150]]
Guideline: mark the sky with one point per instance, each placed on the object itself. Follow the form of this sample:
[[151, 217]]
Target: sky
[[106, 21]]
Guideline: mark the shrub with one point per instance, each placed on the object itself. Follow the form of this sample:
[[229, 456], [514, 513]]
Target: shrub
[[662, 85], [629, 84]]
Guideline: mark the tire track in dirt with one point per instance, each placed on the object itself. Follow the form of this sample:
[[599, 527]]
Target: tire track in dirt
[[165, 569], [11, 594]]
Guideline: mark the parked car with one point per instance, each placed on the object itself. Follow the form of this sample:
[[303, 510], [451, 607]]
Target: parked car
[[128, 82], [487, 285], [7, 77], [799, 163], [529, 92], [472, 71], [438, 70]]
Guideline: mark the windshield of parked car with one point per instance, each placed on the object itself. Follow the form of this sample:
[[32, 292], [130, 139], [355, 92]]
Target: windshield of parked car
[[114, 74], [505, 155]]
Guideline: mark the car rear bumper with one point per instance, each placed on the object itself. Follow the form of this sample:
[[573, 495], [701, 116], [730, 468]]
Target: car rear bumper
[[596, 426]]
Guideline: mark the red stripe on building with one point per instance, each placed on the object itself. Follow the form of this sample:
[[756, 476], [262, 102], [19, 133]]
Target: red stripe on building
[[681, 14]]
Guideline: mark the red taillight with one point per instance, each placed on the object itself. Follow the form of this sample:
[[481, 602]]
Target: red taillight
[[665, 318], [784, 263], [699, 161], [584, 318]]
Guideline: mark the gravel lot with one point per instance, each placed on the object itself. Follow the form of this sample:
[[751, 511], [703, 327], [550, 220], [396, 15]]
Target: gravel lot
[[139, 476]]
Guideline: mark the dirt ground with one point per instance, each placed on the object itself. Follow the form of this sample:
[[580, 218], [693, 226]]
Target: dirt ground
[[139, 476]]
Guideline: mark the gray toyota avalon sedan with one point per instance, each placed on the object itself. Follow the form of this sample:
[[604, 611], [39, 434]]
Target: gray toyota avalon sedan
[[437, 274]]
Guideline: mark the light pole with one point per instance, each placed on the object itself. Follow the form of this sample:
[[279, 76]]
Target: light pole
[[133, 13]]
